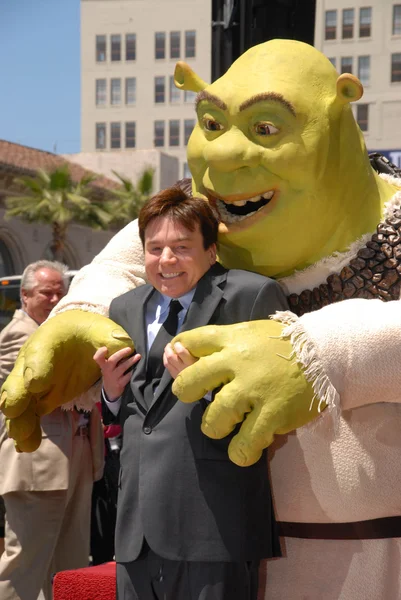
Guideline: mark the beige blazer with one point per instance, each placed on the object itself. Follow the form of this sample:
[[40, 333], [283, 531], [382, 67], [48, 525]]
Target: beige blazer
[[48, 467]]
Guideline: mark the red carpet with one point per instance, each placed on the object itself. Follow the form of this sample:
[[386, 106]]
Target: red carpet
[[92, 583]]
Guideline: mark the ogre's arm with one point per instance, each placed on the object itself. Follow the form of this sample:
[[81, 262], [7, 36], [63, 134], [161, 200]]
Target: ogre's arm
[[118, 268], [351, 351]]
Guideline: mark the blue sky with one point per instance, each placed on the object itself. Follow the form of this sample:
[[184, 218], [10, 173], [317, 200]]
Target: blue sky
[[40, 73]]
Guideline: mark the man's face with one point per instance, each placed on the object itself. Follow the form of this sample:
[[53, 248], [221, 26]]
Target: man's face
[[175, 258], [39, 301]]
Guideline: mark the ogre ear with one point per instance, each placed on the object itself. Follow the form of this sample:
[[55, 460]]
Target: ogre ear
[[349, 88], [186, 79]]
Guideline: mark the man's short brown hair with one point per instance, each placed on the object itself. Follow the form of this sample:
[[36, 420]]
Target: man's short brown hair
[[179, 206]]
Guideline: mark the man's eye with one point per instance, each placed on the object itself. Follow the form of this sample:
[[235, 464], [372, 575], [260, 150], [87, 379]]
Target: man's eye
[[212, 125], [263, 128]]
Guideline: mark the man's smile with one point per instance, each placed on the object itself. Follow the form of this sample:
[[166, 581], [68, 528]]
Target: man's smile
[[171, 275]]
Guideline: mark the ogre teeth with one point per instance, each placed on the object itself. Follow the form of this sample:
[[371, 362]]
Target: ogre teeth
[[268, 195], [240, 203]]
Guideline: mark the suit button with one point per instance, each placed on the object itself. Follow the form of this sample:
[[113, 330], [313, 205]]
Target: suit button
[[147, 430]]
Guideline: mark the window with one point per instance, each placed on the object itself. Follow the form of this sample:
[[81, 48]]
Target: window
[[346, 64], [130, 134], [100, 136], [175, 93], [100, 48], [186, 173], [159, 90], [115, 135], [130, 90], [333, 61], [174, 133], [115, 91], [115, 47], [189, 97], [160, 45], [365, 22], [364, 69], [348, 23], [189, 124], [397, 19], [175, 43], [159, 134], [331, 25], [130, 46], [396, 67], [101, 92], [362, 114], [190, 44]]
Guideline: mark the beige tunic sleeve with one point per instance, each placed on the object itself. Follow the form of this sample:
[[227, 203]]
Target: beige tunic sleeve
[[351, 351]]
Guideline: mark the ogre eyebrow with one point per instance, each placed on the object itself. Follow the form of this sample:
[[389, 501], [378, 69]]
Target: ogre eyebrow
[[203, 95], [271, 97]]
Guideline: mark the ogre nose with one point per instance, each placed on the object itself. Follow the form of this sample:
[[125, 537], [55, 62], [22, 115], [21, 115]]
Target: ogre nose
[[231, 151]]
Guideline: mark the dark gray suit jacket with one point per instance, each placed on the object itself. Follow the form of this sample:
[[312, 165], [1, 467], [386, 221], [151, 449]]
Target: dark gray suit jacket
[[178, 488]]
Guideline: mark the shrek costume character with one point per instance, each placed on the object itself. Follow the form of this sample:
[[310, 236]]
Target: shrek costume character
[[277, 152]]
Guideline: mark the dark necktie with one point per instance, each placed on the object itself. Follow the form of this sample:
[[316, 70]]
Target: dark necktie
[[155, 367]]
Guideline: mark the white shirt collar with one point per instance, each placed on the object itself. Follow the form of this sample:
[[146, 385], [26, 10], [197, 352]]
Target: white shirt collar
[[184, 300]]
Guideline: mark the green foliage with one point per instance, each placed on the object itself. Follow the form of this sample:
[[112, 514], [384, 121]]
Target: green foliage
[[130, 198], [55, 199]]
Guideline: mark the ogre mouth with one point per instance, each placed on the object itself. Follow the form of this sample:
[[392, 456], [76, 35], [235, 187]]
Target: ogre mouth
[[232, 212]]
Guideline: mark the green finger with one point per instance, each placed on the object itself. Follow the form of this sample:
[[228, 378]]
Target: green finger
[[207, 374], [202, 341], [22, 427], [256, 434], [225, 412]]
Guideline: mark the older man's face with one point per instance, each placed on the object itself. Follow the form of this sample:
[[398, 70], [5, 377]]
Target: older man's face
[[39, 301]]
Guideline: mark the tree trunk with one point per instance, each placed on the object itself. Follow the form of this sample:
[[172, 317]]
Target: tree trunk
[[58, 242]]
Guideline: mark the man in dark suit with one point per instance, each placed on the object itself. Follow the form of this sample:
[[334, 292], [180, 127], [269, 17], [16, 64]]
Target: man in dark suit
[[190, 523]]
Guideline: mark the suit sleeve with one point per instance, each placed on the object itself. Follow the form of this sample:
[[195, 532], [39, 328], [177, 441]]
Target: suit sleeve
[[10, 345], [108, 417], [270, 299]]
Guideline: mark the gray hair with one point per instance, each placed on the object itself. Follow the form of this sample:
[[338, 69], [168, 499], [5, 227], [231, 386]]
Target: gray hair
[[28, 279]]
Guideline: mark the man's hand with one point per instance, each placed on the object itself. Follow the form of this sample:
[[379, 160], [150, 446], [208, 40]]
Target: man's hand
[[176, 358], [54, 366], [116, 370], [263, 386]]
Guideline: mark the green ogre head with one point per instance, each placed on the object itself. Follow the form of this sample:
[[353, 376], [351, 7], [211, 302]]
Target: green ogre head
[[277, 151]]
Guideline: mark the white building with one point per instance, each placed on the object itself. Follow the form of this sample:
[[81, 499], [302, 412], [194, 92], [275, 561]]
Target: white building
[[129, 49], [364, 38]]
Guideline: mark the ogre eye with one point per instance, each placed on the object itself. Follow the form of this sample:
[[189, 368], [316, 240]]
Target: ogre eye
[[264, 128], [212, 125]]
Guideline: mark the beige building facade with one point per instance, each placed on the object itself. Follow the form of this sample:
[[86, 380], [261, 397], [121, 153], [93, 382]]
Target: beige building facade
[[129, 49], [131, 164], [364, 38]]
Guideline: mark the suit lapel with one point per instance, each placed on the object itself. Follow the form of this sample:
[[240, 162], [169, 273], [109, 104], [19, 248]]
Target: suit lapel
[[207, 297], [139, 336]]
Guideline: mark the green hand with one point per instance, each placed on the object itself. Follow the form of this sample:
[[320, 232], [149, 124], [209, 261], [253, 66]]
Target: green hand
[[263, 386], [55, 366]]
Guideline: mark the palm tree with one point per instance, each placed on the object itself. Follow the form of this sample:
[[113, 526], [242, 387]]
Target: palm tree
[[55, 199], [131, 196]]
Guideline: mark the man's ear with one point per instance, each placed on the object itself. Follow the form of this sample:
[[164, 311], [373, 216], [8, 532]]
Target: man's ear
[[212, 254], [186, 79], [24, 295], [349, 88]]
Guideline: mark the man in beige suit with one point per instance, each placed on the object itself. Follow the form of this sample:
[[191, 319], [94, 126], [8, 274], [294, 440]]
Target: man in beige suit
[[47, 493]]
